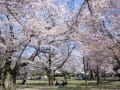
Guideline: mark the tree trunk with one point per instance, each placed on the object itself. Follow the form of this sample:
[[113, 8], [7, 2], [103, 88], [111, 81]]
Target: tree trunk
[[86, 80], [50, 77], [91, 75], [98, 80], [24, 82], [65, 77], [50, 73], [85, 66], [0, 78], [119, 77], [0, 74], [9, 80], [98, 76], [24, 79]]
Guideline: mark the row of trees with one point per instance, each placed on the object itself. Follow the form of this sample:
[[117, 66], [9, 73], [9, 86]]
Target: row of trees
[[101, 36], [45, 34]]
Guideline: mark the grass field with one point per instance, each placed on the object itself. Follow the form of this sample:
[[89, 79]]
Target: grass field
[[72, 85]]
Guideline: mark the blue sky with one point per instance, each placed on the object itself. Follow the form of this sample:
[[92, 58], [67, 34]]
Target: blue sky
[[75, 2]]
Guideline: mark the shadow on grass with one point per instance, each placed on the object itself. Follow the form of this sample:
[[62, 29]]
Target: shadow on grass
[[38, 84], [34, 82], [92, 84], [72, 85]]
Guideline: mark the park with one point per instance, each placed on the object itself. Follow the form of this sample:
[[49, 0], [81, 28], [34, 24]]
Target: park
[[59, 44], [73, 84]]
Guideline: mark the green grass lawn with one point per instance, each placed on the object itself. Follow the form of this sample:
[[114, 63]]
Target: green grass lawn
[[72, 85]]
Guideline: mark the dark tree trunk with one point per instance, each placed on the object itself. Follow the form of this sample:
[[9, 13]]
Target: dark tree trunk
[[119, 77], [0, 74], [86, 84], [24, 82], [98, 76], [65, 77], [8, 77], [0, 78], [91, 75], [50, 72], [24, 79], [9, 80], [85, 66], [50, 77], [98, 80]]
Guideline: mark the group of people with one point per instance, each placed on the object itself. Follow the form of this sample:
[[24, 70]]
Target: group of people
[[60, 84]]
